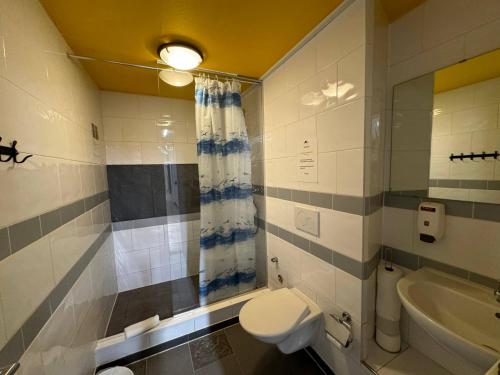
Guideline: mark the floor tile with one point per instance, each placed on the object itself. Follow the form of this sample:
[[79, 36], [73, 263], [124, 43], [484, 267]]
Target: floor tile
[[225, 366], [208, 349], [257, 358], [139, 368], [412, 362], [176, 361], [377, 357]]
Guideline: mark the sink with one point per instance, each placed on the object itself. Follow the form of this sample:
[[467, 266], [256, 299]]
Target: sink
[[459, 314]]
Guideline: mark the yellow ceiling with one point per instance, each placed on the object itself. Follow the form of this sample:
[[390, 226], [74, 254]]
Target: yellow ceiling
[[471, 71], [245, 37]]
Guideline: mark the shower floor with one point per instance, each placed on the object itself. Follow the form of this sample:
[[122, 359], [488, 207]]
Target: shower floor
[[165, 299]]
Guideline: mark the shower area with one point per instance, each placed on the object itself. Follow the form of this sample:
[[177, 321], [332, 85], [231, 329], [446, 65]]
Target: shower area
[[153, 151]]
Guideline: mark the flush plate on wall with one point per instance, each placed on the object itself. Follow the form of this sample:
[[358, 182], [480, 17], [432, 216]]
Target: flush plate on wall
[[307, 220]]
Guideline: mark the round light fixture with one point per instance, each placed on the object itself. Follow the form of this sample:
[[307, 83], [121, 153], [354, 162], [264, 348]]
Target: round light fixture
[[180, 56], [176, 78]]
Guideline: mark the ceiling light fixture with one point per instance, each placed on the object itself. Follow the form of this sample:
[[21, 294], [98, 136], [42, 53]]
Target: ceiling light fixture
[[180, 56], [175, 77]]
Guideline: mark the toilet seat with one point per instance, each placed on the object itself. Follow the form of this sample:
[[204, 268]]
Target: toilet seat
[[274, 314]]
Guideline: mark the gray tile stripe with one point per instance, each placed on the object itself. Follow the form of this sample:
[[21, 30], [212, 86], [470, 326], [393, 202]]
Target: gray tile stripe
[[20, 235], [361, 270], [471, 210], [153, 221], [21, 340], [414, 262], [354, 205], [466, 184]]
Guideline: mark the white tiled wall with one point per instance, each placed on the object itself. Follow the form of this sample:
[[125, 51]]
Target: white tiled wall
[[436, 34], [320, 93], [155, 254], [326, 90], [419, 44], [48, 103], [466, 120], [68, 339], [141, 129]]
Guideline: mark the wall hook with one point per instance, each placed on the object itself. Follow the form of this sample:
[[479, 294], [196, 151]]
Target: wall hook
[[11, 153]]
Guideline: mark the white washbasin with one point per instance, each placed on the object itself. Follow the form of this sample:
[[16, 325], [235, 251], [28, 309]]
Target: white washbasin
[[456, 312]]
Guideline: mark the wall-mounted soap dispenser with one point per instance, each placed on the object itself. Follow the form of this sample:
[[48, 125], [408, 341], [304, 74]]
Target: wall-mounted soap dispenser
[[431, 221]]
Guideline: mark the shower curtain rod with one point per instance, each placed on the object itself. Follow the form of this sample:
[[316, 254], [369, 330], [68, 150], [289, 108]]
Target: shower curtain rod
[[198, 72]]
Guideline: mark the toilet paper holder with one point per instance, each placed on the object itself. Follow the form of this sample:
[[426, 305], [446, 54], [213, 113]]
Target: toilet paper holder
[[346, 320]]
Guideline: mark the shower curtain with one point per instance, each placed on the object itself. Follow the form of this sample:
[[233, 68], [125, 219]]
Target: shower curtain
[[227, 246]]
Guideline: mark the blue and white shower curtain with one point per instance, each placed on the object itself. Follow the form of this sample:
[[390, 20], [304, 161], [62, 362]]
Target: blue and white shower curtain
[[227, 246]]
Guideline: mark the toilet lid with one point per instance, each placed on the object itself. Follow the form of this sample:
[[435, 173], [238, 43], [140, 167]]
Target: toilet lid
[[273, 314]]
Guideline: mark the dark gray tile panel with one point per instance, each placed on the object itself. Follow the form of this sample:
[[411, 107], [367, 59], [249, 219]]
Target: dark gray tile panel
[[483, 280], [399, 201], [272, 192], [348, 265], [473, 184], [349, 204], [455, 208], [494, 185], [12, 351], [449, 183], [321, 200], [300, 196], [284, 194], [486, 211], [402, 258], [50, 221], [371, 265], [271, 228], [424, 262], [35, 322], [300, 242], [285, 235], [24, 233], [4, 243], [123, 225], [321, 252]]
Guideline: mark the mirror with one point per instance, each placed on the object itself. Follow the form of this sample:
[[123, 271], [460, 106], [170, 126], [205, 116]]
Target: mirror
[[446, 133]]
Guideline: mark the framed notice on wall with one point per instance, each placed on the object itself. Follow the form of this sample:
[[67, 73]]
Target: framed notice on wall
[[307, 160]]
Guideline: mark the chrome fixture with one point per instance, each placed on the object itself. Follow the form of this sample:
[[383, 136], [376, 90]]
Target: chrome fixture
[[274, 259], [10, 370], [496, 292], [197, 72], [346, 320]]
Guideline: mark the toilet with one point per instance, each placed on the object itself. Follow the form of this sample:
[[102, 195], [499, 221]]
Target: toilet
[[285, 317]]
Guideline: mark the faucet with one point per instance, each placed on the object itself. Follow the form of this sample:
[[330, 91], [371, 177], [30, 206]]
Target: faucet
[[496, 292]]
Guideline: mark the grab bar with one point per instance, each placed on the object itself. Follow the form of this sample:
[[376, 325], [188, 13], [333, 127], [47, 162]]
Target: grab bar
[[10, 370]]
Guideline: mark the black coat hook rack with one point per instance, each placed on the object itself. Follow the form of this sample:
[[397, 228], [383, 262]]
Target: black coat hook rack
[[473, 156], [11, 153]]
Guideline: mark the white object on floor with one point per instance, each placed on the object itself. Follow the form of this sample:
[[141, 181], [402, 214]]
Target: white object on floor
[[141, 327], [284, 317], [388, 308], [116, 371], [412, 362]]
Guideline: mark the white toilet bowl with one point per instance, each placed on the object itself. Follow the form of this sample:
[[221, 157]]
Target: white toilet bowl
[[284, 317]]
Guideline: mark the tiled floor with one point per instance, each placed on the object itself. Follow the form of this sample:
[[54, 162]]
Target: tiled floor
[[165, 299], [230, 351], [408, 362]]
